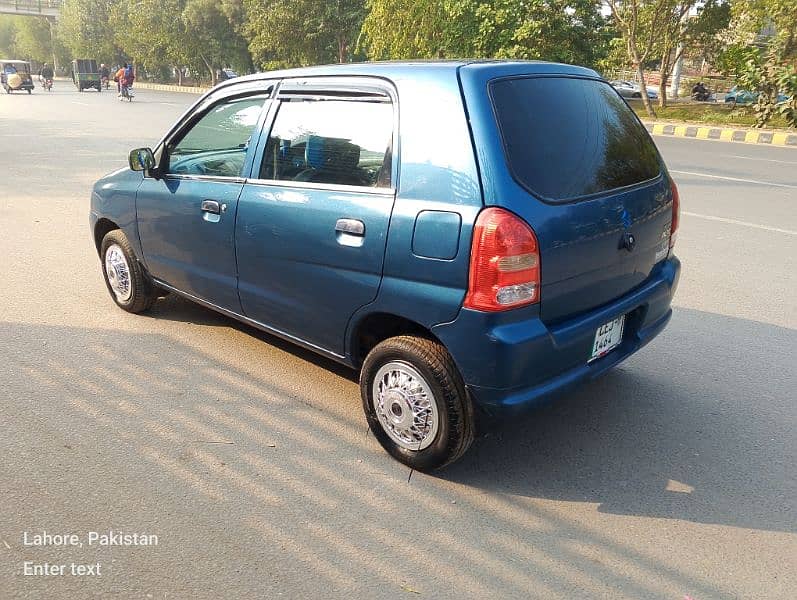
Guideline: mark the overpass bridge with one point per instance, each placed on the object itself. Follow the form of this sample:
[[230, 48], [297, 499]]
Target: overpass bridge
[[34, 8]]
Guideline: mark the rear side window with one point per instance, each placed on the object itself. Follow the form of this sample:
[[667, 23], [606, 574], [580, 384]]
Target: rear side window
[[341, 142], [566, 138]]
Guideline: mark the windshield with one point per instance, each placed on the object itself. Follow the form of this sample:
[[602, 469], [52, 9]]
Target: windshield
[[566, 138]]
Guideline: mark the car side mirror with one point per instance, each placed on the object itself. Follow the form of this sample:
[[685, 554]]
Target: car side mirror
[[141, 159]]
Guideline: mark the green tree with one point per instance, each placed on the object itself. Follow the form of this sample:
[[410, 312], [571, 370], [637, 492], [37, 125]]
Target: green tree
[[559, 30], [640, 23], [84, 28], [285, 33], [770, 29]]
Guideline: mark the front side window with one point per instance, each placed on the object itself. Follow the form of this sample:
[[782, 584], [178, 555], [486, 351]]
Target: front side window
[[216, 145], [339, 142]]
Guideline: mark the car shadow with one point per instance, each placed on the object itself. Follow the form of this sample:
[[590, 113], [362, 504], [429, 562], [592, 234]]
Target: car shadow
[[698, 426], [270, 459], [659, 436]]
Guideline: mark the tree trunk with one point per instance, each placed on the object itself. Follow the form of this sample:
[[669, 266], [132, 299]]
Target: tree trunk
[[644, 91], [664, 75], [211, 70], [342, 49]]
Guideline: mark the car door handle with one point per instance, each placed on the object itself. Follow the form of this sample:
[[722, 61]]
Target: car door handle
[[350, 226], [211, 206]]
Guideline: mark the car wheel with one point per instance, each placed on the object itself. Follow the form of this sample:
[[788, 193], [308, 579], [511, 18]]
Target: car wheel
[[416, 403], [636, 95], [127, 282]]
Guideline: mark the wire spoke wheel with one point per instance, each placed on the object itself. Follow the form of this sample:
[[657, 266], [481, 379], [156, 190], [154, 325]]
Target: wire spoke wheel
[[405, 406], [118, 273]]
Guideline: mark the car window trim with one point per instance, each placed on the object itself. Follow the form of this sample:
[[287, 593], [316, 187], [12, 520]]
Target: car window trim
[[331, 187], [216, 178], [343, 83]]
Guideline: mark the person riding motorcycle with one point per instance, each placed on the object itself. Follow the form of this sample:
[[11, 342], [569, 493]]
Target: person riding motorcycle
[[46, 75], [700, 92], [125, 78], [105, 74]]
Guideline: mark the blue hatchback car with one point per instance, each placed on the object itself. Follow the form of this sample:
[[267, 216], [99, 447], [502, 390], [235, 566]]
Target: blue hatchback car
[[472, 237]]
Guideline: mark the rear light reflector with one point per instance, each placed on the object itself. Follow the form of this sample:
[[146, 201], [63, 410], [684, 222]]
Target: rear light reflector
[[504, 263], [676, 213]]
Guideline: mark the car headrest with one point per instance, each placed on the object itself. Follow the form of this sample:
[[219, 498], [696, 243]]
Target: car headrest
[[315, 152], [330, 153]]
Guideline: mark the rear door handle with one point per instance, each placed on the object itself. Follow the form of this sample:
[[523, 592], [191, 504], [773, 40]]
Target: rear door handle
[[350, 226], [211, 206]]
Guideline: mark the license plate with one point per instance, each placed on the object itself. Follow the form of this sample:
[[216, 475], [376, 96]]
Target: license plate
[[608, 337]]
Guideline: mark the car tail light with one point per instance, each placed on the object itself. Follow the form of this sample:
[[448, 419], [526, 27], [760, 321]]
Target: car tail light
[[676, 213], [504, 263]]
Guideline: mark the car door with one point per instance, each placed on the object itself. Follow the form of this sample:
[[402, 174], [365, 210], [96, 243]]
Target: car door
[[313, 218], [186, 215]]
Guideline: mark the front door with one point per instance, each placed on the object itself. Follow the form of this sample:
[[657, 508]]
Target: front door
[[186, 217], [312, 224]]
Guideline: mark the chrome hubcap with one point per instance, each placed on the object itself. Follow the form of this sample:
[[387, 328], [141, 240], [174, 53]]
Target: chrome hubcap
[[118, 273], [405, 406]]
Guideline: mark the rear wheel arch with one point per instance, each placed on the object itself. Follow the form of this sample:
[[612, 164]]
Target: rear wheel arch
[[377, 327]]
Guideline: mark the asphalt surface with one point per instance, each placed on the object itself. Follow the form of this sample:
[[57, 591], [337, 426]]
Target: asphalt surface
[[672, 477]]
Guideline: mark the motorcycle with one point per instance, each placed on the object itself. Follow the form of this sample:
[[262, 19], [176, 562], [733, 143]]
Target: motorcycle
[[48, 85], [126, 93], [104, 81]]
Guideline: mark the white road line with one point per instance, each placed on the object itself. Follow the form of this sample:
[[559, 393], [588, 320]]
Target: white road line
[[754, 181], [735, 222], [782, 162], [82, 103]]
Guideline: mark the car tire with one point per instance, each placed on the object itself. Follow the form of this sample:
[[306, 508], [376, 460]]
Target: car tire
[[636, 95], [398, 365], [127, 282]]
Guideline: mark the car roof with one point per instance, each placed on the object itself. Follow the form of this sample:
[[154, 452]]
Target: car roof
[[390, 69], [9, 61]]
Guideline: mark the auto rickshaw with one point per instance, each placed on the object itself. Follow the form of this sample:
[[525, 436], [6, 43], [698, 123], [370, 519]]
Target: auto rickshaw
[[85, 74], [15, 75]]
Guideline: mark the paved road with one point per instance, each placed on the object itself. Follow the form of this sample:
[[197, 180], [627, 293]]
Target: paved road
[[673, 476]]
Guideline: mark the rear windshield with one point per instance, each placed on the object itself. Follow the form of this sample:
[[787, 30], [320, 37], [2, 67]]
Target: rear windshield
[[566, 138]]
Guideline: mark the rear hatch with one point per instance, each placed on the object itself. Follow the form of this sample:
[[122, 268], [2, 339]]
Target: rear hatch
[[591, 184]]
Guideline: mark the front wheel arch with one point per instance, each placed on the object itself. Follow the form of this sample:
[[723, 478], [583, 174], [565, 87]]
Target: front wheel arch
[[101, 229]]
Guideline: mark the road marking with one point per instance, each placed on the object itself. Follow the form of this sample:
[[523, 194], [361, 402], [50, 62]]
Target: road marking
[[81, 103], [735, 222], [754, 181], [783, 162]]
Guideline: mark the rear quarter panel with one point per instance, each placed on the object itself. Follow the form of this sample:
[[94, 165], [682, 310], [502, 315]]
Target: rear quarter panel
[[437, 172]]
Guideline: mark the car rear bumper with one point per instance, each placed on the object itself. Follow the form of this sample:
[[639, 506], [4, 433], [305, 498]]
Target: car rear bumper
[[516, 361]]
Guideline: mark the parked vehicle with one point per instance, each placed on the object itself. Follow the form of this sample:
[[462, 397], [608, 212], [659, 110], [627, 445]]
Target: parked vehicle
[[86, 75], [15, 75], [225, 74], [465, 234], [740, 96], [628, 89]]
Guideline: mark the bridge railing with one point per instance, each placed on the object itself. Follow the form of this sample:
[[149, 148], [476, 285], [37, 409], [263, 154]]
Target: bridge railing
[[32, 6]]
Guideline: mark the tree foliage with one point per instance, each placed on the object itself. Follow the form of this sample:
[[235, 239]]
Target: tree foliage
[[769, 63], [559, 30], [301, 32]]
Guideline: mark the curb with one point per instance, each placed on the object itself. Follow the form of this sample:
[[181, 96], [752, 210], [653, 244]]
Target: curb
[[723, 134], [161, 87]]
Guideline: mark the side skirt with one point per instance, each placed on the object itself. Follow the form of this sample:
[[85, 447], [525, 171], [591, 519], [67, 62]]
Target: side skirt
[[256, 324]]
